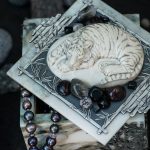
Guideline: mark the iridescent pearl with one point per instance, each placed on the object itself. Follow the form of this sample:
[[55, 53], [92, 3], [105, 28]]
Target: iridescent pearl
[[54, 128], [28, 115], [55, 117], [27, 105], [51, 141], [25, 93], [32, 141], [30, 128], [45, 147]]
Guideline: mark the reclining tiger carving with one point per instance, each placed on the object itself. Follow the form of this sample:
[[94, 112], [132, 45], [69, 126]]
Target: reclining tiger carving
[[116, 54]]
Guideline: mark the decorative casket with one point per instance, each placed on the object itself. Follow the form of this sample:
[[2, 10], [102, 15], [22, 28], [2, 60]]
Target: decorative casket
[[91, 65]]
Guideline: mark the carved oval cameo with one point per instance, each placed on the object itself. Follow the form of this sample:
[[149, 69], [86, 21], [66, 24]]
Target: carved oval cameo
[[99, 54]]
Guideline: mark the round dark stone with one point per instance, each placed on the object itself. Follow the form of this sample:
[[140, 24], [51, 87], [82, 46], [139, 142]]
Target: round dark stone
[[27, 105], [33, 148], [54, 128], [25, 93], [55, 117], [46, 147], [117, 93], [63, 88], [86, 103], [105, 102], [68, 30], [28, 115], [30, 128], [32, 141], [96, 108], [132, 85], [96, 94], [79, 89], [51, 141]]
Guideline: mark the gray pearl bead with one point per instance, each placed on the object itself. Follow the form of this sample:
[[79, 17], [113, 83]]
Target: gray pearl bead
[[51, 141], [25, 93], [54, 128], [27, 105], [30, 128], [28, 115]]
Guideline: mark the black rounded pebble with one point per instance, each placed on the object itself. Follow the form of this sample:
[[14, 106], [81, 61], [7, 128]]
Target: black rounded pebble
[[63, 88], [132, 85], [28, 115], [31, 127], [51, 141], [68, 30], [54, 128], [117, 93], [96, 94], [105, 102], [32, 141], [55, 117]]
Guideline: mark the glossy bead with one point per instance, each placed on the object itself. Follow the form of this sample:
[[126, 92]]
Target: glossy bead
[[55, 117], [104, 19], [132, 85], [63, 88], [45, 147], [105, 102], [30, 128], [32, 141], [25, 93], [86, 103], [79, 89], [51, 141], [117, 93], [27, 105], [54, 128], [28, 115], [33, 148], [68, 30], [95, 94]]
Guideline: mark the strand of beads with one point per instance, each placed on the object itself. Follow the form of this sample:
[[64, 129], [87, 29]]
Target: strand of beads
[[31, 126]]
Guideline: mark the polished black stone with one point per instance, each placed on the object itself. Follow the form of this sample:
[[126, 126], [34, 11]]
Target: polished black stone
[[96, 108], [28, 115], [51, 141], [63, 88], [30, 128], [32, 141], [96, 94], [46, 147], [105, 102], [79, 89], [68, 29], [33, 148], [54, 128], [132, 85], [27, 105], [117, 93], [55, 117]]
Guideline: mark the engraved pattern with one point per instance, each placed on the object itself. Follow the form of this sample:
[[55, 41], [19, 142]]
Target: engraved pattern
[[43, 37]]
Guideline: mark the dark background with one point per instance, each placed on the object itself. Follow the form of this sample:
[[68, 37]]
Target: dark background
[[11, 19]]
